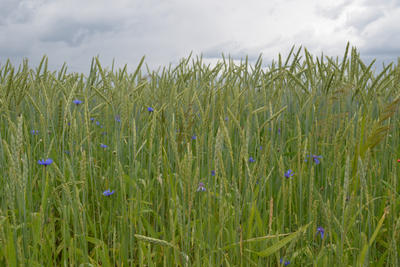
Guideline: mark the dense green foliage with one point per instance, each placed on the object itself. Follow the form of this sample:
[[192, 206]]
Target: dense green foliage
[[237, 129]]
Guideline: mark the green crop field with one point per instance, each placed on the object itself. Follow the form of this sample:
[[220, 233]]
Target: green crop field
[[232, 165]]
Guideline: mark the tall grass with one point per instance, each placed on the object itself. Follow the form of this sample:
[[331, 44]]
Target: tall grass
[[205, 126]]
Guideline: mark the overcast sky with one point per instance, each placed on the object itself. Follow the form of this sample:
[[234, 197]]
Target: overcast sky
[[74, 31]]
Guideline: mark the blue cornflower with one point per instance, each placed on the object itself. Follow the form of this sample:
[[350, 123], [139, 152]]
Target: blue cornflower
[[201, 187], [108, 193], [67, 152], [45, 162], [251, 159], [288, 174], [104, 133], [279, 130], [77, 102], [321, 231], [92, 119], [316, 158], [213, 172], [117, 118], [150, 109], [226, 119], [33, 132], [98, 123], [194, 136], [260, 147], [286, 262], [103, 146], [69, 123]]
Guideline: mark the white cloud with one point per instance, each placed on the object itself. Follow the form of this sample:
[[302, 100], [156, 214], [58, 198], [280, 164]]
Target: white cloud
[[165, 31]]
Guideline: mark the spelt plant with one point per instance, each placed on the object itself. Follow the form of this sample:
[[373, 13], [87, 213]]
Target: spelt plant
[[188, 166]]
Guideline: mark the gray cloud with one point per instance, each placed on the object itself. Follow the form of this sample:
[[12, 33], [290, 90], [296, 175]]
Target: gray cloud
[[7, 9], [73, 33], [165, 31], [19, 11], [382, 51], [389, 4], [360, 19], [382, 37]]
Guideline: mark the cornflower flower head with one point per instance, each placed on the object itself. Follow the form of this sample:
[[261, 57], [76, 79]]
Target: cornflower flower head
[[33, 132], [288, 174], [103, 146], [321, 231], [45, 162], [150, 109], [107, 193], [117, 118], [201, 187], [104, 133], [279, 130], [213, 172], [92, 119], [69, 123], [77, 102], [260, 147], [251, 159], [67, 152], [194, 136], [226, 119], [286, 262], [316, 158], [98, 123]]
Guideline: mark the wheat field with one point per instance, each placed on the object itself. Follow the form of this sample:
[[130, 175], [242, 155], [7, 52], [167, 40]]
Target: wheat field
[[232, 165]]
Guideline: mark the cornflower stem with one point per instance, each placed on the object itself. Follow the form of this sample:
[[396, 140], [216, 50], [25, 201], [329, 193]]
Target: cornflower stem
[[46, 191]]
